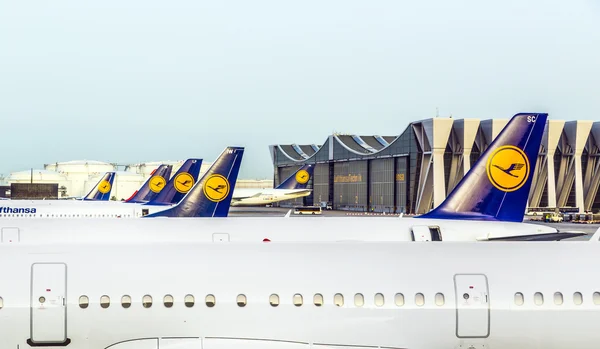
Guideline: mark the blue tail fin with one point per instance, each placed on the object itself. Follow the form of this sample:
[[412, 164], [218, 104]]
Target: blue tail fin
[[298, 180], [101, 191], [153, 185], [211, 196], [181, 183], [497, 186]]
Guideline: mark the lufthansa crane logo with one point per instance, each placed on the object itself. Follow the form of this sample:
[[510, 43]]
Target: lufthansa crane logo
[[104, 187], [302, 177], [157, 183], [216, 188], [183, 182], [508, 168]]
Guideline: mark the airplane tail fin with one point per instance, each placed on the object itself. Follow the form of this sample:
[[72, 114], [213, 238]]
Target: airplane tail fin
[[101, 191], [299, 179], [181, 183], [211, 196], [497, 186], [153, 185]]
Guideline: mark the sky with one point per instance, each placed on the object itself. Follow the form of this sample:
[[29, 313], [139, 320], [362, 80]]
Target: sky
[[134, 81]]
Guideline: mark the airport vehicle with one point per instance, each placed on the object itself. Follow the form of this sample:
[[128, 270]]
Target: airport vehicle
[[312, 210], [208, 197], [553, 217], [153, 185], [251, 295], [292, 187]]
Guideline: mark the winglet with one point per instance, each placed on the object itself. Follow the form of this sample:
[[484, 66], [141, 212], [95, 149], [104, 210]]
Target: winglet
[[102, 189], [153, 185], [181, 183], [596, 236], [211, 196], [497, 186], [299, 179], [288, 214]]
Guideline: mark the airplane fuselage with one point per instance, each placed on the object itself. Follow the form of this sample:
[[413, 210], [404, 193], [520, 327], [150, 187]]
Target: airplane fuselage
[[301, 295], [261, 197]]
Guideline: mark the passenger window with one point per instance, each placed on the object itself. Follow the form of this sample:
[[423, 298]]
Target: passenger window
[[399, 299], [168, 301], [210, 301], [338, 299], [558, 298], [297, 299], [241, 300], [597, 298], [274, 300], [1, 303], [126, 301], [538, 298], [379, 300], [147, 301], [440, 299], [419, 299], [84, 302], [318, 299], [359, 300], [577, 298], [105, 301], [519, 299], [189, 301]]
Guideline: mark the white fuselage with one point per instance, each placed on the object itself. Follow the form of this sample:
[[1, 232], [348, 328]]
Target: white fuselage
[[503, 295], [256, 229], [35, 209], [257, 197]]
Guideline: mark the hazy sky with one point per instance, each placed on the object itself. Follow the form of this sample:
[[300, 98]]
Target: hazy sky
[[129, 81]]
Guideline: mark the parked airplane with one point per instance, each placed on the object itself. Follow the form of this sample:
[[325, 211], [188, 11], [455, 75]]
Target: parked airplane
[[215, 296], [471, 223], [293, 187], [201, 200], [100, 192], [153, 185]]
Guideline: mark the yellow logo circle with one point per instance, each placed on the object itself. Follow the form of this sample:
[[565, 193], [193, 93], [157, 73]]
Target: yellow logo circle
[[183, 182], [104, 187], [216, 188], [157, 183], [508, 168], [302, 177]]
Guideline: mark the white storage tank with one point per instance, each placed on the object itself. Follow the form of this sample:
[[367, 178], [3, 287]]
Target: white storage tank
[[125, 184], [78, 173]]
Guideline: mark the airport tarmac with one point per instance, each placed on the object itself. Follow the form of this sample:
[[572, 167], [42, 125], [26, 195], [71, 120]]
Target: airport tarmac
[[589, 229]]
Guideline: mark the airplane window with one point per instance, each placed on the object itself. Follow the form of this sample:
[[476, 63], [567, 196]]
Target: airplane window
[[419, 299], [210, 301], [519, 299], [168, 301], [318, 299], [359, 300], [84, 301], [338, 299], [297, 299], [1, 303], [558, 298], [538, 298], [189, 301], [241, 300], [274, 300], [126, 301], [147, 301], [105, 301], [399, 299], [597, 298], [440, 299], [577, 298]]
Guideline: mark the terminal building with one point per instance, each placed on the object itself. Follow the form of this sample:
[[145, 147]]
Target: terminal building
[[414, 172]]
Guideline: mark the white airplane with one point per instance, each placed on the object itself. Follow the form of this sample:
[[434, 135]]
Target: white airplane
[[209, 197], [292, 187], [317, 295]]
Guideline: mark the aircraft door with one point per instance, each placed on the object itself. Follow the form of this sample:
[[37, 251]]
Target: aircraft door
[[426, 233], [472, 306], [48, 304]]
